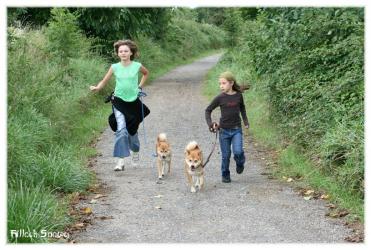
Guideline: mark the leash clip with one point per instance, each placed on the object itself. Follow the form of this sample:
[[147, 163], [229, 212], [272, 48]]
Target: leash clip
[[142, 94]]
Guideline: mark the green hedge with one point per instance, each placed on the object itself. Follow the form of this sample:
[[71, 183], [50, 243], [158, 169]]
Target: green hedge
[[311, 61], [186, 38]]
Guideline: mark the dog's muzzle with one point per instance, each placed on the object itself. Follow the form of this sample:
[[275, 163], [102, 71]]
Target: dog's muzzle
[[163, 157], [193, 167]]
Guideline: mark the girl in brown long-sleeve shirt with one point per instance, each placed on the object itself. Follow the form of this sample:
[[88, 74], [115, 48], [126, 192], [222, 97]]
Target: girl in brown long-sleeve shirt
[[231, 105]]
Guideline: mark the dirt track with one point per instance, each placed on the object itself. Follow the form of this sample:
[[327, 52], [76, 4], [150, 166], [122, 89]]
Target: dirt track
[[250, 209]]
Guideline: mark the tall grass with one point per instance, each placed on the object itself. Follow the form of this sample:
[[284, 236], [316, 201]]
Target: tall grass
[[48, 105], [293, 163], [32, 209]]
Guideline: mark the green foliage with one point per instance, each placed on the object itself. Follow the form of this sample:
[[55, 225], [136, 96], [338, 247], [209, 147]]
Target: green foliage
[[293, 163], [249, 13], [34, 158], [186, 38], [152, 55], [107, 25], [210, 15], [342, 149], [32, 16], [45, 103], [33, 209], [65, 39], [311, 61], [28, 134], [232, 24], [52, 115], [104, 26], [216, 36], [229, 18], [185, 14]]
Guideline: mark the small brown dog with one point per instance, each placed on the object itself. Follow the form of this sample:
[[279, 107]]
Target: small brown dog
[[163, 155], [194, 166]]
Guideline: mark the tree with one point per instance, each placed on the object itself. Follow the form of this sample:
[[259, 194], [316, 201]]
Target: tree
[[29, 16], [111, 24], [211, 15]]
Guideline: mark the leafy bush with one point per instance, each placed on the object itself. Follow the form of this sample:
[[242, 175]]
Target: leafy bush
[[186, 38], [65, 39], [311, 61], [152, 55]]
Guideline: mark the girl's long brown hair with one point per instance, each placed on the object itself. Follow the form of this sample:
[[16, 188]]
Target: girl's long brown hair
[[230, 78], [132, 46]]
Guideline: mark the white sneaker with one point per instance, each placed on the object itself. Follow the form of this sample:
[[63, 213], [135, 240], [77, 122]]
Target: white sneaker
[[120, 164], [134, 159]]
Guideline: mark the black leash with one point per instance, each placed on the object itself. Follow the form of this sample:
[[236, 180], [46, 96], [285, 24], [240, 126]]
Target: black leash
[[212, 151]]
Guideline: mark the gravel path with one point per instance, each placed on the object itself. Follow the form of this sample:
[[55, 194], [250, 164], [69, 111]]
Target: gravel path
[[250, 209]]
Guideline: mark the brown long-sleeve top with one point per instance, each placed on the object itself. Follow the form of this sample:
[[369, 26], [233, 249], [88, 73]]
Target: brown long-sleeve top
[[231, 106]]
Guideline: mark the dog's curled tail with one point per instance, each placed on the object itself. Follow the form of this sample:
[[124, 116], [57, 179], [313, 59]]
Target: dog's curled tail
[[162, 137], [192, 145]]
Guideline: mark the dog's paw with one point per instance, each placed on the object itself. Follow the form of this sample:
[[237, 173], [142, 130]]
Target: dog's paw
[[193, 190], [160, 177]]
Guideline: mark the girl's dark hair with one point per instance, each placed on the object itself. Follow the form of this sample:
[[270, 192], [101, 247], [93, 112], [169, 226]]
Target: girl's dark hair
[[132, 46], [230, 78]]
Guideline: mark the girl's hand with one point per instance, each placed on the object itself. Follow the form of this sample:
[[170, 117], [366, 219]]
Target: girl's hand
[[247, 126], [94, 88], [214, 127]]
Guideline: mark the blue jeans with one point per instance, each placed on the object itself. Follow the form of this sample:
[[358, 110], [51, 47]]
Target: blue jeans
[[124, 142], [227, 138]]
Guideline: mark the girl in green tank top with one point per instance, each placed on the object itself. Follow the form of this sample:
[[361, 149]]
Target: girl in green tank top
[[127, 88]]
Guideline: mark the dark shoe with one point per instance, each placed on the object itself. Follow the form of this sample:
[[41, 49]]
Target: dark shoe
[[239, 169], [226, 179]]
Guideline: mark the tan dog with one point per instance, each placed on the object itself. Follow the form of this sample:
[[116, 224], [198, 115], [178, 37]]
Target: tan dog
[[163, 155], [194, 166]]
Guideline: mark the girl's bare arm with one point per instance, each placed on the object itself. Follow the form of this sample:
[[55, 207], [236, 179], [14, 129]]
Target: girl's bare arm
[[104, 82], [145, 73]]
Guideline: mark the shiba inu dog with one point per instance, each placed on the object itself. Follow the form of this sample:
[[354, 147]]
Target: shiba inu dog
[[194, 170], [163, 155]]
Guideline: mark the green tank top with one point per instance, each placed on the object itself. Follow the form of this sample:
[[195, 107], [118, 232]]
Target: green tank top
[[126, 80]]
